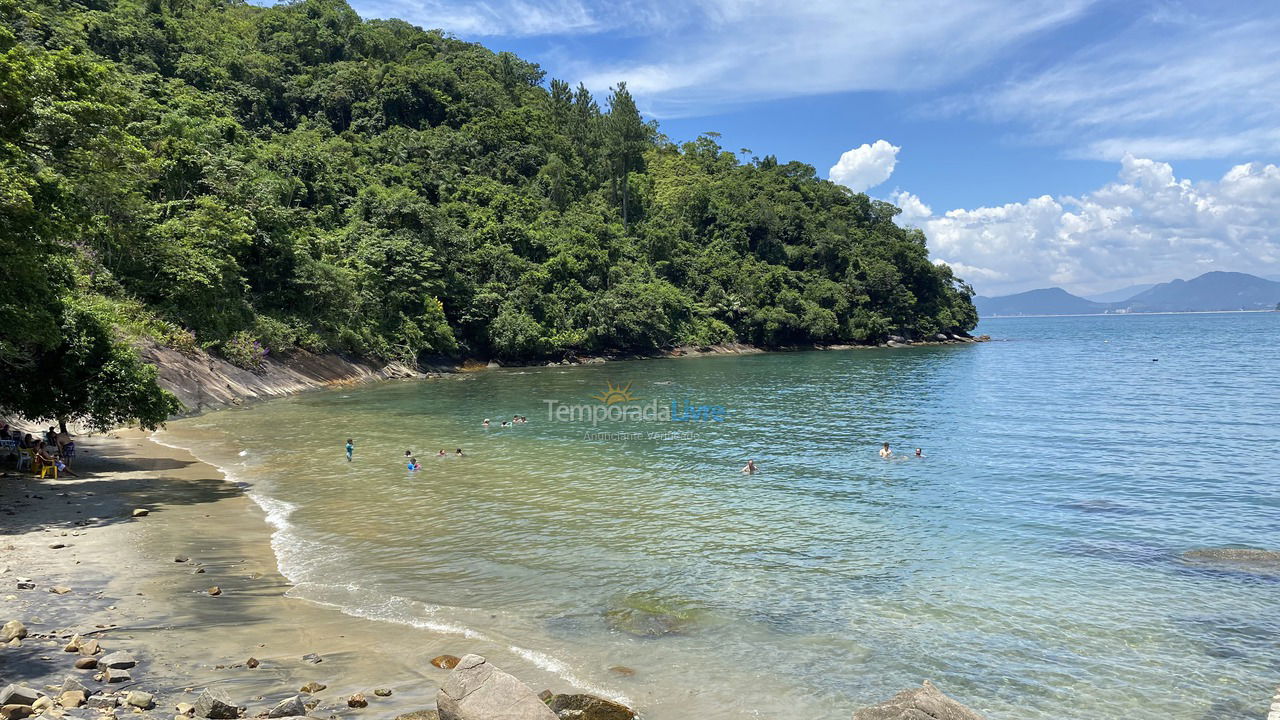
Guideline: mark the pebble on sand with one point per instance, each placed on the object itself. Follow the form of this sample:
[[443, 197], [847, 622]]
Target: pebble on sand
[[357, 701]]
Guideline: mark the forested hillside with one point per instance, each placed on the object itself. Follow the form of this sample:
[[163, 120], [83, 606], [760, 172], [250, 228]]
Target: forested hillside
[[245, 179]]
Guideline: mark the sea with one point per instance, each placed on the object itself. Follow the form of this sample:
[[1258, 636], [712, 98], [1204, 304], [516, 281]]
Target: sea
[[1029, 561]]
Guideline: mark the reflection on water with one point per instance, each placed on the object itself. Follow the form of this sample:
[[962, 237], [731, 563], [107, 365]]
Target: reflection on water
[[1028, 564]]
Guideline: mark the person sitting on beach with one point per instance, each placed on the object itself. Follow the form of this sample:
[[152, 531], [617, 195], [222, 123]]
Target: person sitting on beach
[[885, 451], [44, 458], [750, 467], [351, 448], [458, 452]]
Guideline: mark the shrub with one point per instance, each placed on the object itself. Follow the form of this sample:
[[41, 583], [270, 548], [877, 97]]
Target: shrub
[[243, 350]]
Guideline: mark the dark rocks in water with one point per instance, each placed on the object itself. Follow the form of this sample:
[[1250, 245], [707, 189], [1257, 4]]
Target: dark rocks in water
[[14, 694], [649, 616], [589, 707], [181, 559], [252, 663], [120, 660], [476, 690], [214, 591], [1251, 560], [289, 707], [216, 704], [923, 703], [445, 662]]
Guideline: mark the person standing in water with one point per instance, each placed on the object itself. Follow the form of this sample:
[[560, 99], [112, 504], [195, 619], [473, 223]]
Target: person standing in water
[[885, 452], [351, 448], [750, 467]]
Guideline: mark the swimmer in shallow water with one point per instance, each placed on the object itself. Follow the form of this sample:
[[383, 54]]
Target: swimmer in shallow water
[[750, 467], [351, 448], [458, 453], [885, 452], [919, 453]]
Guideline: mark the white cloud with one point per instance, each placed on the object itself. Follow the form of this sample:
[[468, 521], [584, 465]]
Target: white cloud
[[865, 166], [913, 208], [1173, 86], [1147, 226]]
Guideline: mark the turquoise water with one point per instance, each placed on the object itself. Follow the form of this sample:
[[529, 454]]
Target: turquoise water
[[1027, 564]]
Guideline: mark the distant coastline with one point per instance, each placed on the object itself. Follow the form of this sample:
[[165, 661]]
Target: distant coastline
[[1125, 314]]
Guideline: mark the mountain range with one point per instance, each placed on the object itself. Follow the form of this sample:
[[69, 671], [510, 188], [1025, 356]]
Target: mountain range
[[1209, 292]]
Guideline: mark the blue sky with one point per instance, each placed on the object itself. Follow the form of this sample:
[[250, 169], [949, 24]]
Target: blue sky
[[1081, 143]]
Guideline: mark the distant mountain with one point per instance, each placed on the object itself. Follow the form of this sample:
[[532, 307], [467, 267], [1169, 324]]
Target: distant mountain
[[1206, 293], [1210, 291], [1048, 301], [1116, 296]]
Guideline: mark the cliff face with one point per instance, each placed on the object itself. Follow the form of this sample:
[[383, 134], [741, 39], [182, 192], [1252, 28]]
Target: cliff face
[[203, 382]]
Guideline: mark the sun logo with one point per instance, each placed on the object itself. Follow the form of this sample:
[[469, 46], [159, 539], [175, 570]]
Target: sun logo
[[615, 394]]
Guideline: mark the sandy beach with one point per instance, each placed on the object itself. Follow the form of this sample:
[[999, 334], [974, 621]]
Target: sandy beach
[[142, 585]]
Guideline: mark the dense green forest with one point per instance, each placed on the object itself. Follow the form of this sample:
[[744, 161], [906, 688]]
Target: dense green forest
[[213, 174]]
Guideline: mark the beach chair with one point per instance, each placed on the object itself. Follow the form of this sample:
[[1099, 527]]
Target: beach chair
[[43, 466], [24, 458]]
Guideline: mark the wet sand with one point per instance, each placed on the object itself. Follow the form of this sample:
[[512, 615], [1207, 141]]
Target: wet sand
[[134, 584]]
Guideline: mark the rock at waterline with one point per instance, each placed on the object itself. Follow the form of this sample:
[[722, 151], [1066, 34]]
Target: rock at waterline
[[57, 546], [357, 701], [923, 703], [13, 629], [289, 707], [140, 699], [312, 688], [445, 662], [73, 645], [90, 647], [252, 663], [15, 694], [476, 690], [214, 591], [214, 703], [120, 660], [589, 707], [313, 658], [59, 590], [181, 559], [420, 715], [117, 675], [649, 615], [71, 699], [86, 663], [141, 512], [1251, 560], [382, 692]]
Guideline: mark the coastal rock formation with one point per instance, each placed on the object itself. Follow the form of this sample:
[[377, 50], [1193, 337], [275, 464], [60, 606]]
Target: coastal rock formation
[[476, 690], [1262, 562], [589, 707], [923, 703]]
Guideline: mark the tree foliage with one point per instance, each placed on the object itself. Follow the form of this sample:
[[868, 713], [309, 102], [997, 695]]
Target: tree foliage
[[315, 180]]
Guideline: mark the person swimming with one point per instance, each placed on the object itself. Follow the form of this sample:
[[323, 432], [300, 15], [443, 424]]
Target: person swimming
[[919, 453], [750, 467], [458, 453], [413, 464], [485, 423], [351, 448], [885, 452], [441, 453]]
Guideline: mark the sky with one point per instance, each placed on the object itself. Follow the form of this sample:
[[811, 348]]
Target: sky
[[1087, 144]]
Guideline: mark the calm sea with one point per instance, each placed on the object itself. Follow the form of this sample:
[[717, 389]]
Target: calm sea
[[1028, 563]]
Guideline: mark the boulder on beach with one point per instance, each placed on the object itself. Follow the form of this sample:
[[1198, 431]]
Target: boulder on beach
[[71, 682], [13, 629], [140, 699], [289, 707], [476, 690], [73, 645], [214, 703], [589, 707], [117, 675], [923, 703], [86, 663], [15, 712], [1251, 560], [90, 647], [120, 660], [71, 699], [15, 694], [102, 702]]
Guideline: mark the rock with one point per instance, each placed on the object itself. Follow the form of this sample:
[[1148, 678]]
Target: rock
[[102, 702], [90, 647], [622, 671], [382, 692], [14, 694], [214, 703], [120, 660], [312, 688], [13, 629], [357, 701], [313, 658], [252, 663], [71, 699], [71, 683], [924, 703], [289, 707], [546, 695], [59, 590], [73, 645], [15, 712], [42, 704], [141, 512], [117, 675], [941, 337], [185, 708], [1250, 560], [420, 715], [445, 662], [140, 699], [181, 559], [57, 546], [648, 615], [214, 591], [86, 663], [26, 585], [198, 571], [589, 707], [476, 690]]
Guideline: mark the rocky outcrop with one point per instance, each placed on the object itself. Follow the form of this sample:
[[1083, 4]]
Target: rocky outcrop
[[476, 690], [923, 703], [203, 382]]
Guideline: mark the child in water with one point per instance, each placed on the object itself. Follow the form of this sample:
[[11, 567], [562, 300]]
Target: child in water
[[413, 464], [885, 452], [351, 448]]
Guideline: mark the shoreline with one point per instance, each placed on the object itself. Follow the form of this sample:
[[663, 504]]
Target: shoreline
[[142, 585]]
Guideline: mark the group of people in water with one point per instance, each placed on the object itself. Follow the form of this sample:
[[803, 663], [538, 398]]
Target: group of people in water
[[56, 448], [515, 420], [410, 460], [751, 468]]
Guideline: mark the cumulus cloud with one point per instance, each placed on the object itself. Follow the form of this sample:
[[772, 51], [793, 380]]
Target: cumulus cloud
[[865, 166], [1146, 226]]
